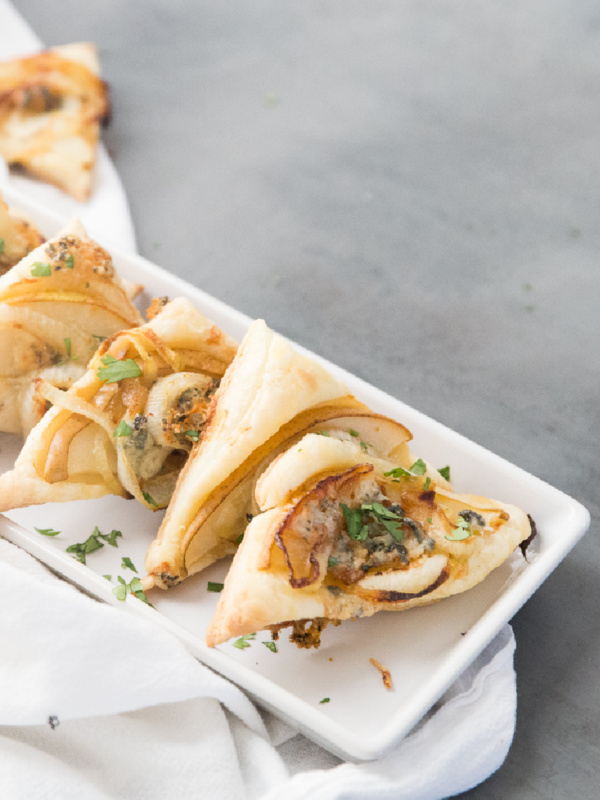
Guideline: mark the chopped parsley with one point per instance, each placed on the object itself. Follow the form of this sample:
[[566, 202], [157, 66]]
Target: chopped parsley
[[364, 445], [122, 429], [82, 549], [194, 435], [150, 500], [47, 531], [69, 261], [41, 270], [352, 432], [427, 483], [357, 520], [244, 641], [115, 370], [419, 467], [462, 531], [324, 700], [323, 433], [127, 563], [332, 562], [1, 245], [271, 646], [134, 587], [239, 539], [214, 587], [108, 577], [445, 472], [67, 342], [398, 472]]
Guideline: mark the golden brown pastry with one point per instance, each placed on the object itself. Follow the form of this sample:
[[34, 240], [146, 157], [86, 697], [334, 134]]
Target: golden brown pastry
[[270, 397], [51, 108], [344, 534], [18, 237], [127, 425], [56, 306]]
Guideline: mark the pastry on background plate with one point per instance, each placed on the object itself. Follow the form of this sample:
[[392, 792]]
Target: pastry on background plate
[[127, 426], [18, 237], [343, 534], [56, 306], [51, 107], [270, 397]]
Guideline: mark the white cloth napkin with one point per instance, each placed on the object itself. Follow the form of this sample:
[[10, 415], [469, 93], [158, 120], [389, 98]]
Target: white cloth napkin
[[98, 704]]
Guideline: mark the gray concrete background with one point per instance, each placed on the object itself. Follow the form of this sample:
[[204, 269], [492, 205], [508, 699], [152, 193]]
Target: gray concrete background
[[410, 189]]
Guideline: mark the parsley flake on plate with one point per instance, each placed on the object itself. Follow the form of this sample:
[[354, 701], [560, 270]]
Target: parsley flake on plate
[[212, 586], [324, 700], [271, 646], [47, 531], [419, 467], [127, 563], [244, 641], [445, 472]]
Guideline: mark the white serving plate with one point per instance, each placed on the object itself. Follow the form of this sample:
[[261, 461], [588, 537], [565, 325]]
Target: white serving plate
[[425, 649]]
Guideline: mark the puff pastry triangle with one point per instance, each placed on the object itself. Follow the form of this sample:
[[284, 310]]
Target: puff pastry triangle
[[127, 425], [51, 108], [353, 535], [56, 306], [271, 395]]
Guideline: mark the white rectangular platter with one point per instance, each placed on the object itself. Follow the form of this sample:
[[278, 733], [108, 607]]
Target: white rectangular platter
[[425, 649]]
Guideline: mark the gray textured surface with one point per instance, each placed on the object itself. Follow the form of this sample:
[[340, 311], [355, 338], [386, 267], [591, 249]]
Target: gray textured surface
[[410, 189]]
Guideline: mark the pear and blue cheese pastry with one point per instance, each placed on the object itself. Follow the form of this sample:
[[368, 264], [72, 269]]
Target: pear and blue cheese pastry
[[270, 397], [344, 534], [127, 425], [56, 306], [51, 107], [18, 236]]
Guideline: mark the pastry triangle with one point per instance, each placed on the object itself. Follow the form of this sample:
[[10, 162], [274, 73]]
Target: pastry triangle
[[270, 396], [18, 237], [51, 108], [127, 425], [56, 305], [355, 534]]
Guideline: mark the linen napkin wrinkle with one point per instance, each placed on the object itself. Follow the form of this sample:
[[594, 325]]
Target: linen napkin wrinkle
[[101, 705]]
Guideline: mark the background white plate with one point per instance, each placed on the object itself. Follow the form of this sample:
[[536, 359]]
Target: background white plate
[[425, 649]]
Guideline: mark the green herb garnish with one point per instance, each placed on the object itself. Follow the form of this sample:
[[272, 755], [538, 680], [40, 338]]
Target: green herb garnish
[[47, 531], [419, 467], [352, 432], [1, 245], [364, 446], [194, 435], [445, 472], [111, 537], [214, 587], [122, 429], [244, 641], [41, 270], [239, 539], [108, 577], [427, 483], [323, 433], [354, 523], [127, 563], [271, 646], [69, 261], [82, 549], [398, 472], [462, 531], [115, 370], [332, 561], [150, 500], [134, 587], [391, 520], [324, 700]]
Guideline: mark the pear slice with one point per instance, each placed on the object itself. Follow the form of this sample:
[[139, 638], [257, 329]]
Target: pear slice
[[56, 306], [98, 438]]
